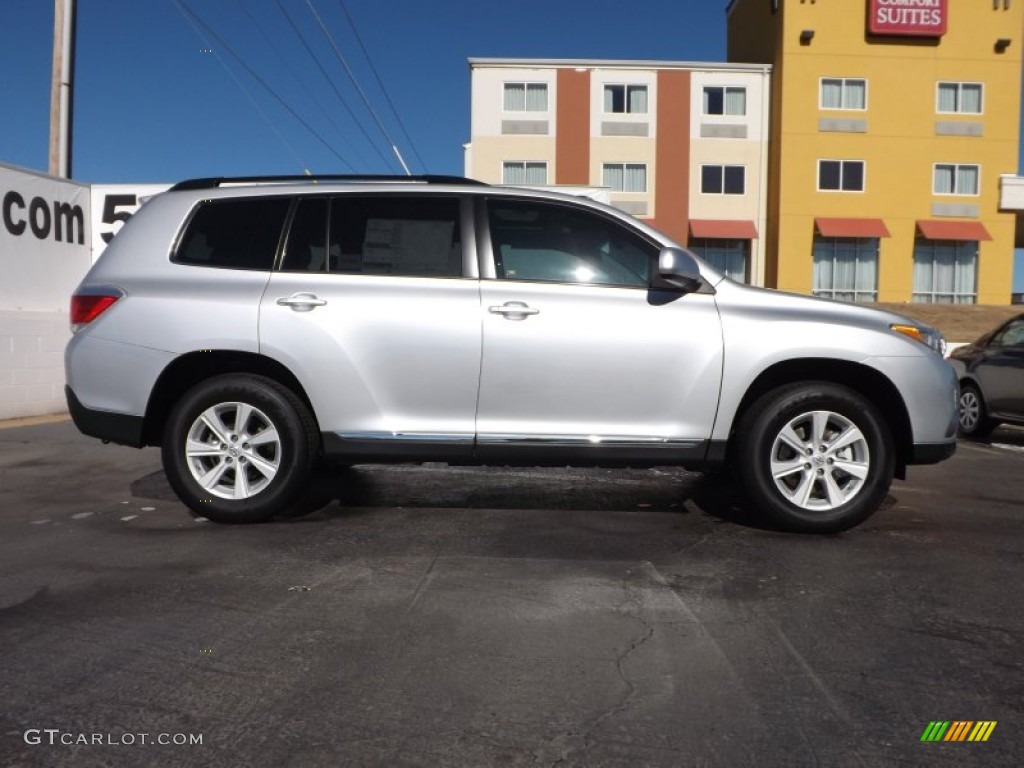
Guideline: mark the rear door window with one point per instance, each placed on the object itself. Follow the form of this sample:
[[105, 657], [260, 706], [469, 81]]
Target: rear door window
[[376, 235], [234, 234], [407, 236]]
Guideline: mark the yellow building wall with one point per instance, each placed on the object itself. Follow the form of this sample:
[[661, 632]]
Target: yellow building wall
[[900, 145]]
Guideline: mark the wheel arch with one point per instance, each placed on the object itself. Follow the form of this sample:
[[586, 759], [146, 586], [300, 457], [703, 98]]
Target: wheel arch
[[968, 378], [189, 369], [866, 381]]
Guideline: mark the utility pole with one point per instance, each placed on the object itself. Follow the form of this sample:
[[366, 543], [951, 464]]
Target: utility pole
[[60, 87]]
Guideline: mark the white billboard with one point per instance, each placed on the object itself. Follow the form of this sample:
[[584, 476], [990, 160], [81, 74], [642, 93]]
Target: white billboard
[[113, 205], [45, 239]]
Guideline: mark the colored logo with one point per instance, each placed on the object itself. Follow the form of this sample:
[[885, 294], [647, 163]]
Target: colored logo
[[913, 18], [958, 730]]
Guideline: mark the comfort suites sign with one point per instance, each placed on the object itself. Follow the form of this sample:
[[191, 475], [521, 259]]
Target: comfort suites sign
[[914, 18]]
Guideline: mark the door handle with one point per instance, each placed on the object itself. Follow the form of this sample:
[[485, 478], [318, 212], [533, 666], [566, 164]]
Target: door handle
[[513, 310], [301, 302]]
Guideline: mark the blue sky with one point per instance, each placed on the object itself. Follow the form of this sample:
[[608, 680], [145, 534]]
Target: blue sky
[[152, 105]]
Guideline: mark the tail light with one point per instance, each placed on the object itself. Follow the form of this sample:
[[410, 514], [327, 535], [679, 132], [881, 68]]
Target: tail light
[[87, 307]]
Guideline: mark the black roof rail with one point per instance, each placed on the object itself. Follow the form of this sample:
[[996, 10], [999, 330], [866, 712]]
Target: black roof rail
[[216, 181]]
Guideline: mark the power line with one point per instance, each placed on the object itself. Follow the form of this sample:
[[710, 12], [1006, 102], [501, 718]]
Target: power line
[[327, 77], [380, 84], [359, 90], [241, 86], [295, 76], [255, 76]]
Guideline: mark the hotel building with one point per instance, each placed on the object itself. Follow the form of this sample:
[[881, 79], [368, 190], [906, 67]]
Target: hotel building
[[894, 128], [682, 146]]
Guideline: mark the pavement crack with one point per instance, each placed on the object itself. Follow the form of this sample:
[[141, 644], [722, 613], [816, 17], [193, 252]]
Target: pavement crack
[[586, 740]]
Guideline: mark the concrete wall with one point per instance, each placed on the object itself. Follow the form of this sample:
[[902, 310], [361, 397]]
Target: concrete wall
[[32, 362], [45, 234], [51, 231]]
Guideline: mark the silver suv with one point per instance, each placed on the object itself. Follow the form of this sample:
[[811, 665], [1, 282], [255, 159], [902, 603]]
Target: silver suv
[[253, 327]]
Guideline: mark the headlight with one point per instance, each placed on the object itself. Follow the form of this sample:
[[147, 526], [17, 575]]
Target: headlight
[[927, 336]]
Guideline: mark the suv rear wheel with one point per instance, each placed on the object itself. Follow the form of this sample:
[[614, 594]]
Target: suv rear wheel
[[239, 449], [817, 457]]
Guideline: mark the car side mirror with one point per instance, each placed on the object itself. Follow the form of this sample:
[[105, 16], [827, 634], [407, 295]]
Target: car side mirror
[[677, 267]]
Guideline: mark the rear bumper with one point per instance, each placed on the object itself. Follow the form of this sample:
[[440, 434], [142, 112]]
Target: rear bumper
[[112, 427]]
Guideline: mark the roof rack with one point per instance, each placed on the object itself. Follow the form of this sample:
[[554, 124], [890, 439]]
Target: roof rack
[[217, 181]]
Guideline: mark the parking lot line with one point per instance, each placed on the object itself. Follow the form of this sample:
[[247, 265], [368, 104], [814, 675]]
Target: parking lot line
[[29, 421]]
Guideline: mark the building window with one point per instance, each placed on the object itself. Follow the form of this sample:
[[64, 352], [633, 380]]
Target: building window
[[731, 257], [963, 98], [723, 179], [841, 175], [625, 177], [846, 268], [526, 97], [625, 99], [516, 173], [844, 93], [945, 271], [725, 101], [952, 179]]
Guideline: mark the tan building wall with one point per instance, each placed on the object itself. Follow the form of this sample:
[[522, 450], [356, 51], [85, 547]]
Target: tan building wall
[[582, 136]]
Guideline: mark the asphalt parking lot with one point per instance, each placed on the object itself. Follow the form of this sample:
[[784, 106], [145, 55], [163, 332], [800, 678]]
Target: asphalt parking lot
[[435, 616]]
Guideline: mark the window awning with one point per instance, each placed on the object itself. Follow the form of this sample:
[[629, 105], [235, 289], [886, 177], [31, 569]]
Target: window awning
[[952, 230], [831, 227], [723, 229]]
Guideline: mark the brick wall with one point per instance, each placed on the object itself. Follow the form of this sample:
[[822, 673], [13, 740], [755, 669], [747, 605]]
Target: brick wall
[[32, 362]]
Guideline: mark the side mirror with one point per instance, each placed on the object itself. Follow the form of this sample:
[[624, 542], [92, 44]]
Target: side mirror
[[679, 268]]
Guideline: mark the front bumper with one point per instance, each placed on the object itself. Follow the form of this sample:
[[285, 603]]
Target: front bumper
[[932, 453]]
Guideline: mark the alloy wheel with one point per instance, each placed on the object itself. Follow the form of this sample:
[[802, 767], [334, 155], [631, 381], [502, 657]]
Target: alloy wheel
[[233, 450], [820, 460]]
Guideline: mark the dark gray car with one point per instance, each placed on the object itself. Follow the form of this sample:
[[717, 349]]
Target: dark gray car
[[991, 372]]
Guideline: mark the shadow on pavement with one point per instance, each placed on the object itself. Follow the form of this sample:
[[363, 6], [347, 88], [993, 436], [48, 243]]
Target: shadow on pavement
[[1003, 436], [336, 492]]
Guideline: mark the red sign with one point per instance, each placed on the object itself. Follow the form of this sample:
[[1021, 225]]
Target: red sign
[[915, 18]]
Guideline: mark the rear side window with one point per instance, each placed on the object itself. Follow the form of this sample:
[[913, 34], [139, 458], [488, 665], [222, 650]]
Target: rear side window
[[383, 235], [237, 234]]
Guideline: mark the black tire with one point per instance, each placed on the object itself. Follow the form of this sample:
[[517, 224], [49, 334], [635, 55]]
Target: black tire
[[972, 414], [267, 474], [814, 492]]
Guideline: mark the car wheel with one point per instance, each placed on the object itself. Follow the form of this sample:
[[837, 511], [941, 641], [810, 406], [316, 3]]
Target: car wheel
[[239, 449], [973, 416], [816, 457]]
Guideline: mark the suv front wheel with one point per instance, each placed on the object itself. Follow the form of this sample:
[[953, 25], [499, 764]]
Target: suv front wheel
[[816, 457], [238, 448]]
